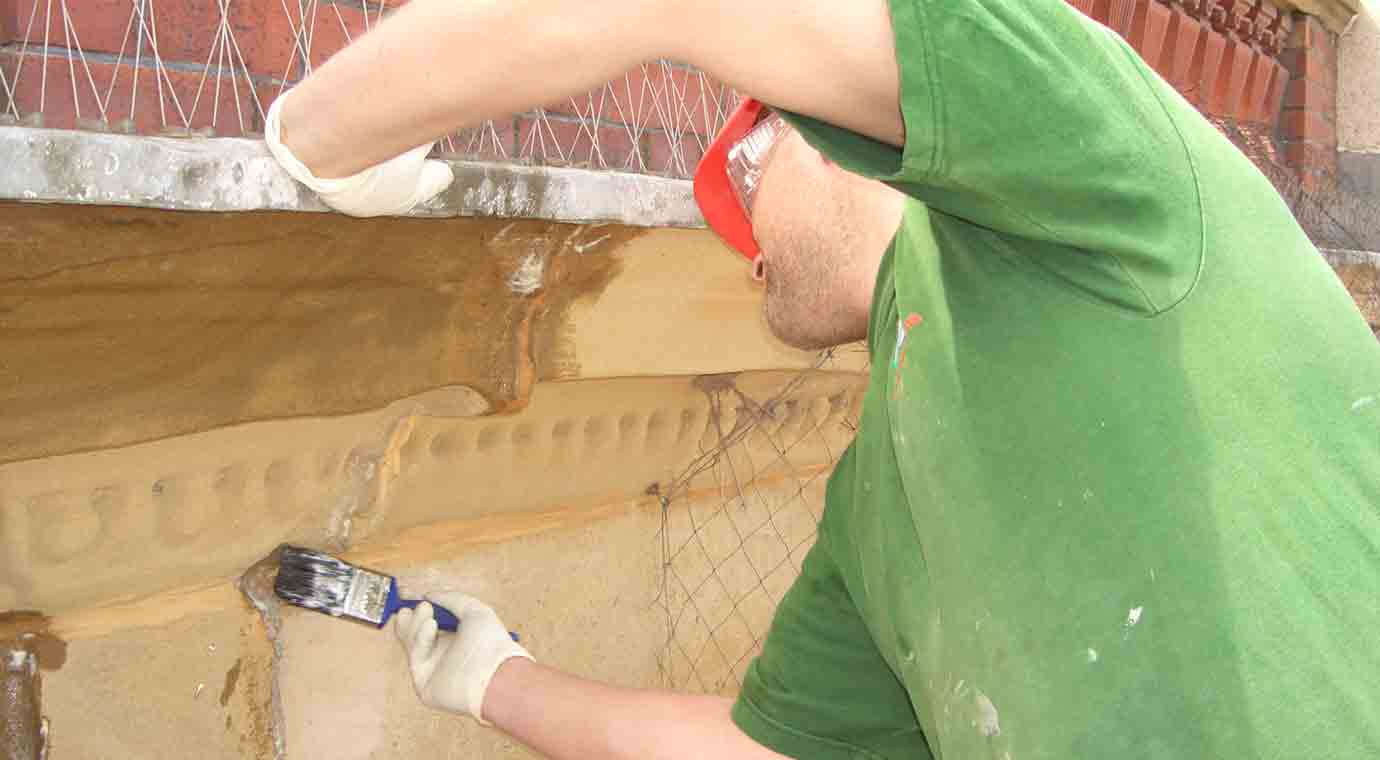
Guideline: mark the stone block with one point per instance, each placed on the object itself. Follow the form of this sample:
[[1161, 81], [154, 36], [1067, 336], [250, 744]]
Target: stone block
[[581, 600], [1359, 173], [198, 688]]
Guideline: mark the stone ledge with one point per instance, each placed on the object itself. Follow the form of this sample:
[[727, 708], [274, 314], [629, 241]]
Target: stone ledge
[[1335, 14], [1359, 272], [235, 174], [1341, 256]]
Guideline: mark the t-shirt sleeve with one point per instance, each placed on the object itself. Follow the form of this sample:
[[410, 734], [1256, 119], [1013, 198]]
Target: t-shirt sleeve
[[1028, 118], [821, 689]]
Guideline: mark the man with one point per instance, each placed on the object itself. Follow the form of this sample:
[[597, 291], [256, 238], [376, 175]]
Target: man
[[1114, 493]]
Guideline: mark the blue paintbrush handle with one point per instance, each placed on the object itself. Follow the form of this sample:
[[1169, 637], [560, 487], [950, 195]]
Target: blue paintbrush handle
[[445, 620]]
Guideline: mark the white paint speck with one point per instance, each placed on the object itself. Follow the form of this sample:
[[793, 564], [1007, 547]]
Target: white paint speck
[[1092, 655], [211, 648], [1133, 616], [199, 688], [526, 279], [582, 247], [1152, 574], [987, 721], [1363, 401], [19, 659]]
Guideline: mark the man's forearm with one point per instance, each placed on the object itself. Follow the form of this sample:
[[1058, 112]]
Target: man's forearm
[[435, 65], [562, 716]]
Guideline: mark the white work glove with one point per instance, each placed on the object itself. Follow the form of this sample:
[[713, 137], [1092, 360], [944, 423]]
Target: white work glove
[[393, 187], [452, 670]]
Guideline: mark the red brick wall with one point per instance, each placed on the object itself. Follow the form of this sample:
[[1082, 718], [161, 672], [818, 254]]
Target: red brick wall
[[1239, 60], [1308, 128], [206, 60], [1220, 54]]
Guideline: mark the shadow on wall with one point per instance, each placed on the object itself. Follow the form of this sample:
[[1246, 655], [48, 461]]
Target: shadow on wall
[[1342, 214]]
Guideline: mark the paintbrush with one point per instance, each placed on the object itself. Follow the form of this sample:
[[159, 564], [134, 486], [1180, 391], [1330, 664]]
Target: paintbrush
[[321, 582]]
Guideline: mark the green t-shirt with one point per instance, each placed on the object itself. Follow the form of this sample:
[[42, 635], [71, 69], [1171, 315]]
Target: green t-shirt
[[1116, 489]]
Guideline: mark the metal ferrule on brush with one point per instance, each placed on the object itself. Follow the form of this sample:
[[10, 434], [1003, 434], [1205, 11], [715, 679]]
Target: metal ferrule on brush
[[368, 596]]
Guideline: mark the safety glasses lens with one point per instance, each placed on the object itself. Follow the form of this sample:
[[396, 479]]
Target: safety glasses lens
[[747, 159]]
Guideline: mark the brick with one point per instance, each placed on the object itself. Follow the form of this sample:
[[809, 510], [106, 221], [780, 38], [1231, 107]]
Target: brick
[[633, 98], [1180, 42], [699, 101], [10, 30], [653, 97], [1308, 32], [1262, 17], [629, 98], [661, 159], [1119, 16], [1312, 126], [263, 35], [1101, 11], [1274, 96], [557, 140], [1309, 157], [1228, 94], [1280, 31], [181, 31], [1304, 64], [1237, 19], [1257, 89], [1085, 6], [1204, 10], [1311, 96], [1202, 72], [482, 143], [1149, 25], [116, 86], [273, 47]]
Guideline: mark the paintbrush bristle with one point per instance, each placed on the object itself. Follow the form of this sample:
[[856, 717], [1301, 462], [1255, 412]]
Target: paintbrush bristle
[[321, 582], [313, 580]]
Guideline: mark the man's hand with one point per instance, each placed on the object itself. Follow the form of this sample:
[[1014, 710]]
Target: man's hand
[[391, 188], [451, 671]]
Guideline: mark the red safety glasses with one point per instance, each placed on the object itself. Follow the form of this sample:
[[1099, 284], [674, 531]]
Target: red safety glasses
[[731, 171]]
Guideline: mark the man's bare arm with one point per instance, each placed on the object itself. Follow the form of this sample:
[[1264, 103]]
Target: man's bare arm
[[437, 65], [562, 716]]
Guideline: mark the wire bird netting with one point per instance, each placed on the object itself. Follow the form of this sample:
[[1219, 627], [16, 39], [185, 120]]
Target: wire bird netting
[[1336, 214], [738, 520], [213, 67]]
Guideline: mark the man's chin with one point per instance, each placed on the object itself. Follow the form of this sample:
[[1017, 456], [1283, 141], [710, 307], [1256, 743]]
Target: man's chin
[[796, 332]]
